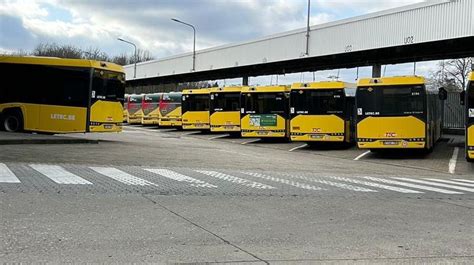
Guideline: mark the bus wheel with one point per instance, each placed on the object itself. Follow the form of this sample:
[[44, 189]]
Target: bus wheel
[[469, 160], [13, 121]]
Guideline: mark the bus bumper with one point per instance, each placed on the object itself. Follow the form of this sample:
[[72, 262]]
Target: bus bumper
[[470, 152], [135, 120], [105, 127], [390, 144], [312, 137], [170, 122], [196, 126], [150, 121], [225, 128], [263, 134]]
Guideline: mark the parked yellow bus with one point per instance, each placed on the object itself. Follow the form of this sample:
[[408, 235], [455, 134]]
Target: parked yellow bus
[[195, 108], [54, 95], [125, 108], [225, 109], [151, 109], [322, 112], [264, 112], [170, 110], [135, 111], [469, 103], [397, 112]]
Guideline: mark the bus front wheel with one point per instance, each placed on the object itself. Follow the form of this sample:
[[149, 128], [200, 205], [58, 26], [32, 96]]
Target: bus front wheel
[[12, 121]]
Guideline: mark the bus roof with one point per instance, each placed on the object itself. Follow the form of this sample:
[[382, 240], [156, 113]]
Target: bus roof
[[226, 89], [54, 61], [392, 81], [323, 85], [196, 91], [263, 89]]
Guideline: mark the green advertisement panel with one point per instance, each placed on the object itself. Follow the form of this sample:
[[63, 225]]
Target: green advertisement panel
[[263, 120]]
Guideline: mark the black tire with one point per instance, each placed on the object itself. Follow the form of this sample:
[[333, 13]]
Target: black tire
[[13, 121]]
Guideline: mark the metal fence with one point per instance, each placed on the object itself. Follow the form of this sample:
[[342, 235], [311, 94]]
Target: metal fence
[[454, 116]]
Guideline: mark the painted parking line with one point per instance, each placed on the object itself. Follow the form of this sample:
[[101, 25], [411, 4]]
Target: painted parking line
[[411, 185], [121, 176], [464, 180], [334, 184], [361, 155], [190, 133], [284, 181], [437, 184], [237, 180], [58, 174], [251, 141], [453, 161], [180, 177], [452, 182], [375, 185], [218, 136], [298, 147], [6, 175]]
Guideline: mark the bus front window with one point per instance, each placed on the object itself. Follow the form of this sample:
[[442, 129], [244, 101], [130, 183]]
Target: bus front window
[[390, 101], [226, 102], [319, 102], [265, 103], [108, 85], [196, 102]]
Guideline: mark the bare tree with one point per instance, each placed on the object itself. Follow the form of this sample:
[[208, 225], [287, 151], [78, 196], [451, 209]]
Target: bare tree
[[142, 56], [453, 74], [55, 50], [95, 54]]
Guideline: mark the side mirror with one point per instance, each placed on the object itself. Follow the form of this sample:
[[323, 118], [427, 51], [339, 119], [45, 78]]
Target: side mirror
[[462, 98], [442, 94]]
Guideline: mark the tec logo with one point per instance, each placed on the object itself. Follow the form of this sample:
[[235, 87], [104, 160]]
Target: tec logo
[[316, 130], [390, 134]]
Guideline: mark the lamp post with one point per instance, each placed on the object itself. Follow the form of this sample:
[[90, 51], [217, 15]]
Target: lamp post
[[135, 55], [194, 42]]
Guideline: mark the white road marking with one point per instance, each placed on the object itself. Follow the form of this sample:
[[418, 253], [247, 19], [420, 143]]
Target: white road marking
[[361, 155], [284, 181], [375, 185], [191, 133], [233, 179], [334, 184], [415, 186], [437, 184], [251, 141], [453, 160], [298, 147], [180, 177], [59, 174], [464, 180], [121, 176], [218, 136], [6, 175], [452, 182]]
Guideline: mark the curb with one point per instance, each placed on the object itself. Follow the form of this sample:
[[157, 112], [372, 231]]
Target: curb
[[47, 141]]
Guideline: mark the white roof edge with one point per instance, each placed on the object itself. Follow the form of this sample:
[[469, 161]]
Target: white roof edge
[[390, 11]]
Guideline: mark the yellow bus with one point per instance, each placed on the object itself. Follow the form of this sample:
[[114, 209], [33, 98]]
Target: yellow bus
[[225, 109], [397, 112], [135, 111], [469, 103], [264, 112], [125, 108], [322, 112], [170, 110], [195, 108], [151, 109], [54, 95]]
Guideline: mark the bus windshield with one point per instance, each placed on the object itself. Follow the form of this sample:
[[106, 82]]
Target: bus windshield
[[169, 102], [150, 103], [196, 102], [265, 103], [135, 103], [317, 102], [390, 100], [107, 85], [225, 101]]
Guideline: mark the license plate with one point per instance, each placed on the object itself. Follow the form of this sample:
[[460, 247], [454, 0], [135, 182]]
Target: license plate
[[262, 133], [228, 127], [108, 126], [390, 143], [199, 125], [317, 136]]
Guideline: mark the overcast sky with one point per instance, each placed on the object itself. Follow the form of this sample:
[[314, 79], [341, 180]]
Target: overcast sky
[[98, 23]]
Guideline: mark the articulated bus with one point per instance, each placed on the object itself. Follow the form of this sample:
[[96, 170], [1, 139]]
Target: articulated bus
[[151, 109], [469, 102], [397, 112], [264, 111], [54, 95], [195, 108], [135, 111], [322, 112], [170, 110], [225, 109], [125, 108]]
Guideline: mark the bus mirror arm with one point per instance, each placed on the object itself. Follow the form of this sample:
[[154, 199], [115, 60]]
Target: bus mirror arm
[[442, 94], [462, 97]]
